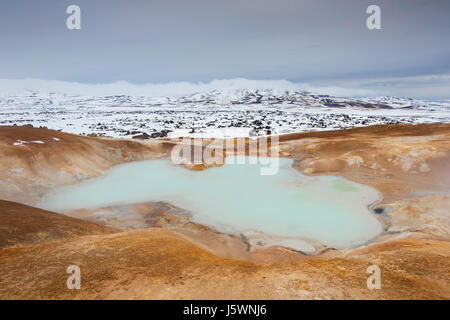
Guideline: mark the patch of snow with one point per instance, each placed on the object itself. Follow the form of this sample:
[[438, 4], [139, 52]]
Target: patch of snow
[[355, 161], [21, 142]]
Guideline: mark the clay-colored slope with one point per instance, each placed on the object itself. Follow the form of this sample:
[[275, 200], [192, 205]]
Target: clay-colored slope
[[24, 225], [161, 264], [376, 130], [401, 161], [33, 160], [409, 165]]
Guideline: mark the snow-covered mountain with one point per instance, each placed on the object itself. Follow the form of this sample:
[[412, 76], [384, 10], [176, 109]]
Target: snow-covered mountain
[[288, 98], [216, 113]]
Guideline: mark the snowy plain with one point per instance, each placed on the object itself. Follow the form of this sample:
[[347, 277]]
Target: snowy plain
[[215, 113]]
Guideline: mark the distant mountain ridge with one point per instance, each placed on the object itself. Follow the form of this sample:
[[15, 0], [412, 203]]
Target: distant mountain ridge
[[232, 96], [275, 97]]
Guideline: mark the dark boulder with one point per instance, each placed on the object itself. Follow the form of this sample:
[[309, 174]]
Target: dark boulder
[[378, 210], [143, 136]]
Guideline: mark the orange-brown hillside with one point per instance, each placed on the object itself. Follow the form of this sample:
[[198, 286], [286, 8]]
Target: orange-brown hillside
[[25, 225], [33, 160], [157, 263], [408, 164]]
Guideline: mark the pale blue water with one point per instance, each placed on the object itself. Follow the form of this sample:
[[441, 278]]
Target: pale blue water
[[236, 198]]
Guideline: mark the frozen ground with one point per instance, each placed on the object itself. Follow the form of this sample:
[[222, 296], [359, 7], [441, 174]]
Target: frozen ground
[[218, 113]]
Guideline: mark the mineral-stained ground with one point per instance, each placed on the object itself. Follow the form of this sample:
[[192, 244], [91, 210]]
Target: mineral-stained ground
[[154, 251]]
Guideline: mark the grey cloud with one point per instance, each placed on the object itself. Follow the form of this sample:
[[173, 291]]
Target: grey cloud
[[201, 40]]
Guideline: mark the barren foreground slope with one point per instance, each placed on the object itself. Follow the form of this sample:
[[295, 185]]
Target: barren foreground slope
[[161, 264], [22, 225], [409, 165]]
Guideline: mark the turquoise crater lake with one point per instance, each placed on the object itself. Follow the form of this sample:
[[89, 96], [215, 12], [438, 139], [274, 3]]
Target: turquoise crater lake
[[236, 198]]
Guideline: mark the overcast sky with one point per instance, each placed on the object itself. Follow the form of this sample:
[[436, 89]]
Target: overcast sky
[[319, 42]]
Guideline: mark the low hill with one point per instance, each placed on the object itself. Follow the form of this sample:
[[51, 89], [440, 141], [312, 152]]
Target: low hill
[[25, 225]]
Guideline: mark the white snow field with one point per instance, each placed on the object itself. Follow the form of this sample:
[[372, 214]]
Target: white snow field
[[216, 113]]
